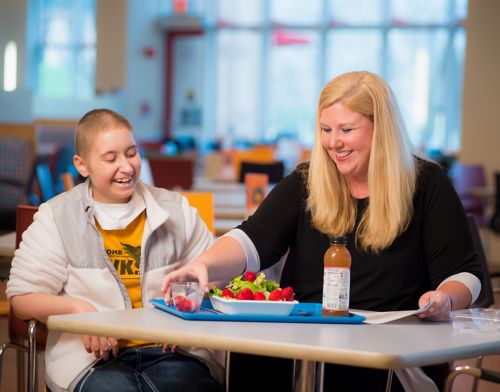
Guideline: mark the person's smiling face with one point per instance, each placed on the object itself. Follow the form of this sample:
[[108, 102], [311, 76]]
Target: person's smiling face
[[347, 137], [113, 164]]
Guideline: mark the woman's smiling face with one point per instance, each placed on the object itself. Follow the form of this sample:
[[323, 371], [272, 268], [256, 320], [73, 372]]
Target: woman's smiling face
[[347, 137]]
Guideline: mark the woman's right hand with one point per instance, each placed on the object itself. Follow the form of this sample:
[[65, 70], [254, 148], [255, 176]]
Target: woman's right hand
[[191, 272]]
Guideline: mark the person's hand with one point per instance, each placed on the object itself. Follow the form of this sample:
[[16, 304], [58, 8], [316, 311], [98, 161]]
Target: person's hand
[[440, 308], [169, 348], [99, 345], [194, 271]]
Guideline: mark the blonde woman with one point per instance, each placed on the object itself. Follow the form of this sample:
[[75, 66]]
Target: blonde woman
[[406, 228]]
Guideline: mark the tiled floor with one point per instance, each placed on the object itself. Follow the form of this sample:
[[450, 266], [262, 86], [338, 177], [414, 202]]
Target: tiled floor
[[462, 383]]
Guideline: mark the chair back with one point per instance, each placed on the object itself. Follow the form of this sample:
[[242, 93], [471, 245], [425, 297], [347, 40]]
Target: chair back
[[17, 152], [257, 186], [17, 328], [204, 203], [486, 297], [67, 181], [256, 154], [45, 182], [495, 218], [274, 170], [169, 173], [466, 178]]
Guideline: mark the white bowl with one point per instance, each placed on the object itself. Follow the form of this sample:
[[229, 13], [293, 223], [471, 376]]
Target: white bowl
[[235, 306]]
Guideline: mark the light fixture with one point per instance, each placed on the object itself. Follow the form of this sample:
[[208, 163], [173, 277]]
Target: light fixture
[[10, 67]]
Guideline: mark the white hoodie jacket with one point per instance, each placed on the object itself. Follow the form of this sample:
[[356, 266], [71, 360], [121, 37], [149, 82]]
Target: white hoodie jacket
[[62, 253]]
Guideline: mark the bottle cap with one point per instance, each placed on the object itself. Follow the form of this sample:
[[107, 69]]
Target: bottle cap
[[341, 239]]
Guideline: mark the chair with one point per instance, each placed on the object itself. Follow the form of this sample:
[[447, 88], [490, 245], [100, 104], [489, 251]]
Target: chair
[[171, 172], [258, 154], [476, 372], [494, 222], [45, 182], [274, 170], [486, 297], [204, 203], [17, 152], [67, 181], [21, 331], [466, 178], [257, 185]]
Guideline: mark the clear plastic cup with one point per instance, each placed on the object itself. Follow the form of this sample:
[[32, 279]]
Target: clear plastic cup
[[187, 296]]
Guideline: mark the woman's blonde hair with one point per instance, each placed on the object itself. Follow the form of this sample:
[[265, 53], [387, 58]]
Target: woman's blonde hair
[[391, 170]]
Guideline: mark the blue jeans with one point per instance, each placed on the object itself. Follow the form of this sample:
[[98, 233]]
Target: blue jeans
[[148, 369]]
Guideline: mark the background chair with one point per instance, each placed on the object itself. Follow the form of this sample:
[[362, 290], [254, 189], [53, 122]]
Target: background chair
[[466, 179], [17, 154], [257, 187], [275, 170], [204, 203], [45, 182], [20, 331], [477, 373], [169, 173], [67, 181], [263, 153], [486, 297], [494, 222]]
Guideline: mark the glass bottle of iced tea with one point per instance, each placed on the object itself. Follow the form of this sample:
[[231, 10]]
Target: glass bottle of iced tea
[[336, 278]]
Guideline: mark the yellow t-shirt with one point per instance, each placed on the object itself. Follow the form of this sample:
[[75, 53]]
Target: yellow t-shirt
[[124, 250]]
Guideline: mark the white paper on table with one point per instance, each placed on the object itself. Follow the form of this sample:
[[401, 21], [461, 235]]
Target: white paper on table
[[386, 317]]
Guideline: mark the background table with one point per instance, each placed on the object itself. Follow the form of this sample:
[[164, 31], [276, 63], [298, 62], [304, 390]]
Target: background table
[[7, 247]]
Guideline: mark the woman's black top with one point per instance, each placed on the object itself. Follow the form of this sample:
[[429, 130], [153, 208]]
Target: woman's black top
[[436, 244]]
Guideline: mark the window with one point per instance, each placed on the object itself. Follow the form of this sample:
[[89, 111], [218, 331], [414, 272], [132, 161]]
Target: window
[[10, 67], [273, 59], [64, 50]]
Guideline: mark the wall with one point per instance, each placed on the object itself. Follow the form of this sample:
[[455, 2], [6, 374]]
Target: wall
[[110, 65], [111, 44], [15, 106], [144, 88], [481, 95], [141, 77]]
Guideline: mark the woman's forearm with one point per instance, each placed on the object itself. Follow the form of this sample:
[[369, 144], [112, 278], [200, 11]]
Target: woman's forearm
[[224, 260], [458, 292]]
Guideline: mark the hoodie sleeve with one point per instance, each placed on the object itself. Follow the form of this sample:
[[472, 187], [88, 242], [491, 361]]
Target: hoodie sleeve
[[39, 265]]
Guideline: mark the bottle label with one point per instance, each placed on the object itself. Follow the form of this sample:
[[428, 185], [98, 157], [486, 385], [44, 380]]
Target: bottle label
[[336, 283]]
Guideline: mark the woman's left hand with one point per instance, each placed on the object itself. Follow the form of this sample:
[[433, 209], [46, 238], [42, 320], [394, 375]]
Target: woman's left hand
[[440, 308]]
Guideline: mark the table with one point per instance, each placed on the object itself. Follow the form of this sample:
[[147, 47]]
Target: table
[[202, 184], [7, 247], [7, 244], [230, 213], [405, 343]]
